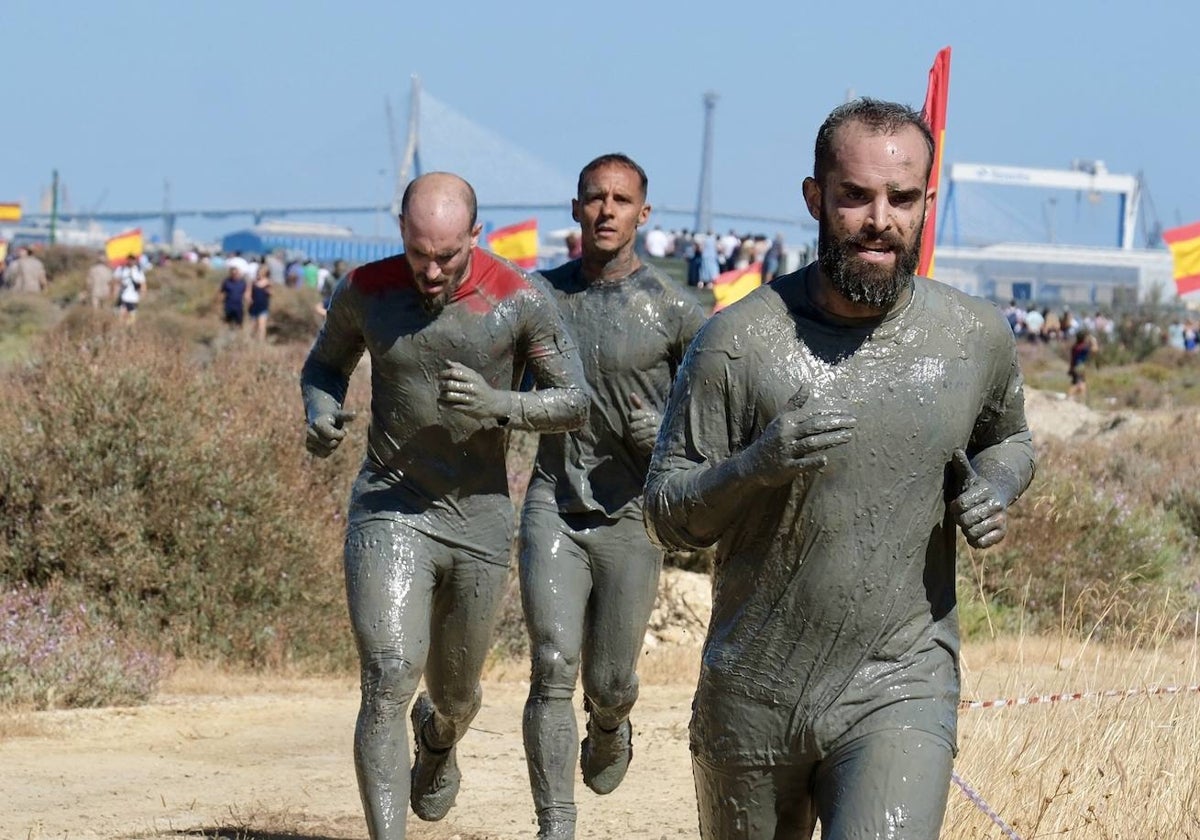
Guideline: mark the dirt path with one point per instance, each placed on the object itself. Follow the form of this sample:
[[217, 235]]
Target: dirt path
[[275, 764]]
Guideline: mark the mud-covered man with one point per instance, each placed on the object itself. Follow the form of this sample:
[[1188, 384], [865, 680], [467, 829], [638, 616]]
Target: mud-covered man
[[589, 574], [450, 330], [830, 432]]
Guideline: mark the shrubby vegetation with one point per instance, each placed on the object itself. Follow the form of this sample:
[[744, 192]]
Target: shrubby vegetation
[[156, 502], [58, 653]]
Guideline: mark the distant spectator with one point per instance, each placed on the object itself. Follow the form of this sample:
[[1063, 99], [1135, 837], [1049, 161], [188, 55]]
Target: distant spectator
[[1051, 326], [260, 303], [233, 293], [1034, 321], [574, 246], [1068, 324], [657, 242], [251, 271], [340, 270], [1083, 349], [773, 259], [238, 260], [26, 273], [710, 264], [311, 273], [275, 263], [294, 277], [132, 280], [685, 245], [1175, 339], [727, 247], [100, 281]]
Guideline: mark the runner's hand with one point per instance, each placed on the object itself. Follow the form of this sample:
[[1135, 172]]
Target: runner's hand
[[794, 442], [643, 425], [466, 391], [978, 509], [326, 431]]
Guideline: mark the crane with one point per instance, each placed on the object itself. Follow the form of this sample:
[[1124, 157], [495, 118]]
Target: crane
[[1090, 176]]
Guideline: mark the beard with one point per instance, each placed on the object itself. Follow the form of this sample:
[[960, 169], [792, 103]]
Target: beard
[[876, 286], [434, 304]]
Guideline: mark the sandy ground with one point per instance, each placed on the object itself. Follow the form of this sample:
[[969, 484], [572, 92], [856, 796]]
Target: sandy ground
[[255, 759], [276, 763]]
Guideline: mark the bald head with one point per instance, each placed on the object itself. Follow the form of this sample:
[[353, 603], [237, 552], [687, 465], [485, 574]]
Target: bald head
[[440, 195], [437, 224]]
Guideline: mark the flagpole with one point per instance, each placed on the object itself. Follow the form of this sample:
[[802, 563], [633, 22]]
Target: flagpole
[[53, 204]]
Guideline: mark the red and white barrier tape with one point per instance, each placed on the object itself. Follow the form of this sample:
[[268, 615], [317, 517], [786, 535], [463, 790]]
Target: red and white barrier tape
[[981, 804], [965, 705]]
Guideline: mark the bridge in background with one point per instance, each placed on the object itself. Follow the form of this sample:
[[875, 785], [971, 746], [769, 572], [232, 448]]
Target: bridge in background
[[438, 138]]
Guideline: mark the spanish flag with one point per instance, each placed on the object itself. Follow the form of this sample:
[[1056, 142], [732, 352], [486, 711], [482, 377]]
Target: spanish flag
[[10, 211], [118, 248], [729, 286], [1184, 243], [517, 243], [934, 113]]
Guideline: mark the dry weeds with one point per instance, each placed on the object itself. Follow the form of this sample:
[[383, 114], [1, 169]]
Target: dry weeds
[[1101, 768]]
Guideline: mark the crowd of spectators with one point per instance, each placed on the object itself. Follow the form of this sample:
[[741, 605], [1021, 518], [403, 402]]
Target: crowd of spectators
[[709, 254]]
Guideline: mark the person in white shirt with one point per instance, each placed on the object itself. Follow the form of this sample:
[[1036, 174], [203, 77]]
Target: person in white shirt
[[657, 242], [131, 281]]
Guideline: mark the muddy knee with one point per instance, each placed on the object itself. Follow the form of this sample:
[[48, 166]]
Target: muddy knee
[[610, 697], [553, 673], [388, 684]]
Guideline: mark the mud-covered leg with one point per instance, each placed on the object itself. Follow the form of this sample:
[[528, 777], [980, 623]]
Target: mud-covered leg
[[389, 584], [625, 571], [891, 784], [465, 605], [744, 802], [555, 582]]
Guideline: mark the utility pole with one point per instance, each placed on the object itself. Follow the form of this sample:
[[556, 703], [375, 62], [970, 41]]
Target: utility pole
[[704, 200], [168, 216], [53, 205]]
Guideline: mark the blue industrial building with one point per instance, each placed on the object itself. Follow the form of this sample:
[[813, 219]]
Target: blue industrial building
[[319, 243]]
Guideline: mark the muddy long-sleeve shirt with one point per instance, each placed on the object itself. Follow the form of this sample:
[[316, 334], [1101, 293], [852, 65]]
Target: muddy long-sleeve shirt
[[833, 606], [424, 458], [632, 334]]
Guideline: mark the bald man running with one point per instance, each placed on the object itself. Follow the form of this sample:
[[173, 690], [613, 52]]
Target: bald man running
[[450, 330]]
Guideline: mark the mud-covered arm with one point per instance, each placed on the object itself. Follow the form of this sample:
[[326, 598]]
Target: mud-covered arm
[[696, 481], [999, 461], [325, 377], [545, 359], [559, 401]]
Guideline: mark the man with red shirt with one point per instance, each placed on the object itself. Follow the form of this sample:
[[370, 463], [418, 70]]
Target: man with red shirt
[[450, 330]]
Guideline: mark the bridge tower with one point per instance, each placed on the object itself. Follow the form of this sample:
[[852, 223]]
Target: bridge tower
[[704, 199]]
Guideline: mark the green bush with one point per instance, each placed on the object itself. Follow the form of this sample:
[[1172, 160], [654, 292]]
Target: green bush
[[176, 495], [1088, 550]]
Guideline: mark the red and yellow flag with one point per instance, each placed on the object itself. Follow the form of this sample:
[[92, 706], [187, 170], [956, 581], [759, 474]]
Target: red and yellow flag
[[1184, 243], [10, 211], [934, 113], [730, 286], [517, 243], [118, 248]]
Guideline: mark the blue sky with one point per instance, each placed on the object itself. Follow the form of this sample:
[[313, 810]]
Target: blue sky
[[242, 103]]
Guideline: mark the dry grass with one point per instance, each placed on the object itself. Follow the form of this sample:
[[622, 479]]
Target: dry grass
[[206, 679], [1092, 768], [21, 725]]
